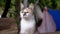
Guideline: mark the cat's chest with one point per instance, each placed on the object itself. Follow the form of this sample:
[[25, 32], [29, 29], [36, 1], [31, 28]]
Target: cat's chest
[[27, 24]]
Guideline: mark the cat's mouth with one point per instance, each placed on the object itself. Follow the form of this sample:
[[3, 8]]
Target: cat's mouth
[[24, 16]]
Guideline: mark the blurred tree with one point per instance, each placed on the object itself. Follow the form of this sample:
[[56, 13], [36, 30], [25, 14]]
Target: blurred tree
[[25, 3], [17, 7], [7, 6], [54, 4]]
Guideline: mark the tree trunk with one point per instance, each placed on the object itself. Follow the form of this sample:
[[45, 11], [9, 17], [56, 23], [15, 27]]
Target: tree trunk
[[7, 6], [17, 7], [25, 3]]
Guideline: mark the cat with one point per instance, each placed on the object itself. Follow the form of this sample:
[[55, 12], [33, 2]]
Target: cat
[[27, 22]]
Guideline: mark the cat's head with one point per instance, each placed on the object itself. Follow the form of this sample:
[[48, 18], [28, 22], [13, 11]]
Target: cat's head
[[26, 12]]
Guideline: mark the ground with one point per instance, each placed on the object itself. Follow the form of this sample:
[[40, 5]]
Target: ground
[[8, 26]]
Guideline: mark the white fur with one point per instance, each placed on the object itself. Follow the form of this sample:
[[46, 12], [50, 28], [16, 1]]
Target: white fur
[[27, 24]]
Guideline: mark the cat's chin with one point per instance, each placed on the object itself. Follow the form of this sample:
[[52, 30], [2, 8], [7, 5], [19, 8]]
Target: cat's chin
[[25, 17]]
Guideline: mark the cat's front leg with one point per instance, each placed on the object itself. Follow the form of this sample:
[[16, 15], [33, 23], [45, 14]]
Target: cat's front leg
[[23, 33]]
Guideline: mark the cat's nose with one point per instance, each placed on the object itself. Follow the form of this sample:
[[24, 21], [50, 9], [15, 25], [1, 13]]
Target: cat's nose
[[24, 14]]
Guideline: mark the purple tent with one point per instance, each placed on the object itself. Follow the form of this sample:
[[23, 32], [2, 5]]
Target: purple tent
[[56, 16]]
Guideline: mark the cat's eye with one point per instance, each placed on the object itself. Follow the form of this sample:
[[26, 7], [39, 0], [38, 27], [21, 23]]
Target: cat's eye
[[27, 12], [22, 11]]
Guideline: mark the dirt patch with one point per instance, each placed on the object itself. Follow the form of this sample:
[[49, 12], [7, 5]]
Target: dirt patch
[[8, 26]]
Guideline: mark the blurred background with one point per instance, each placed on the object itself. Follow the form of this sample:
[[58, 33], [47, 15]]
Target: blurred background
[[11, 8]]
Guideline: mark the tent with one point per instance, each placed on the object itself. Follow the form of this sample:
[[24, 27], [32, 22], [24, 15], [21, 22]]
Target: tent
[[56, 16]]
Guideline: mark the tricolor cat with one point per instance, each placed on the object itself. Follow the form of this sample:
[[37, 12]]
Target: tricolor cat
[[27, 20]]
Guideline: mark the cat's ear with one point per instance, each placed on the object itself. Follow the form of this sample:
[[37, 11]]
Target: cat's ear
[[31, 6], [22, 5]]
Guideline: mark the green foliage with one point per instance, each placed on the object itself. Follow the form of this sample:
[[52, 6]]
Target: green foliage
[[2, 3], [42, 3], [58, 4], [48, 3], [13, 10]]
